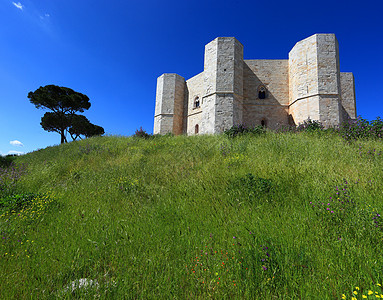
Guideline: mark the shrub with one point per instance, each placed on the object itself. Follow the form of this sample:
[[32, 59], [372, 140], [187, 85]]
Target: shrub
[[354, 129], [358, 128], [141, 133], [6, 161], [242, 129], [377, 127], [285, 128], [310, 125]]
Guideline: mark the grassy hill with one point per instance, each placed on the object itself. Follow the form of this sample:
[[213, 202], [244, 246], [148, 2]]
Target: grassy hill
[[284, 216]]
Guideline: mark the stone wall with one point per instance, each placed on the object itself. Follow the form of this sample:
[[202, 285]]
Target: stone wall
[[274, 116], [229, 90], [168, 116], [330, 114], [210, 67], [303, 73], [328, 64], [314, 80], [348, 94], [329, 80], [195, 88], [209, 88], [305, 108], [307, 85], [179, 98], [223, 85], [274, 76], [229, 72], [224, 112], [163, 115], [208, 115], [303, 81]]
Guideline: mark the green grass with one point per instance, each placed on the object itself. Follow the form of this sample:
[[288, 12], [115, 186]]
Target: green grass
[[181, 217]]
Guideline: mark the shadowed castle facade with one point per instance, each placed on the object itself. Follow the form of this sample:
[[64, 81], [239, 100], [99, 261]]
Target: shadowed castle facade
[[232, 91]]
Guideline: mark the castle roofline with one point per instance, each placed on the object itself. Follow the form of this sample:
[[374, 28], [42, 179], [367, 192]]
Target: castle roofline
[[226, 37], [170, 74], [266, 59], [266, 92], [311, 36]]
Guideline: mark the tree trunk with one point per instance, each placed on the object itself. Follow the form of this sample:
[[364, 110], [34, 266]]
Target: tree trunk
[[63, 139]]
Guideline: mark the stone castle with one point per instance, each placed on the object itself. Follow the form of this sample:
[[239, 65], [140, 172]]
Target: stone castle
[[272, 93]]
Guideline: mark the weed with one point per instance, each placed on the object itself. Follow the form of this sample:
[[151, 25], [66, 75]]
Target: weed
[[237, 130], [139, 215], [213, 270], [251, 188], [376, 292], [9, 177], [6, 161], [89, 148], [28, 206], [359, 128], [369, 153], [141, 133], [310, 125]]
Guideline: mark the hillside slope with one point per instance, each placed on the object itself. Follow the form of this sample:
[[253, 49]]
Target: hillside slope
[[279, 215]]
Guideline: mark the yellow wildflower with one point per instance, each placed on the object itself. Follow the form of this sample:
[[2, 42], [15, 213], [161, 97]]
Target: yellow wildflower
[[343, 296], [357, 288], [370, 292], [364, 296], [355, 292]]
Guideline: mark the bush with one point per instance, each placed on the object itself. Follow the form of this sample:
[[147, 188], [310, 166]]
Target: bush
[[310, 125], [141, 133], [242, 129], [360, 128], [377, 127], [286, 128], [6, 161]]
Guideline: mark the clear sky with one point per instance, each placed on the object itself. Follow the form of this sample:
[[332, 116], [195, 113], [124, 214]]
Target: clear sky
[[113, 51]]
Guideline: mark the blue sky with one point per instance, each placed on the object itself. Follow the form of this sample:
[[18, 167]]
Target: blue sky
[[113, 51]]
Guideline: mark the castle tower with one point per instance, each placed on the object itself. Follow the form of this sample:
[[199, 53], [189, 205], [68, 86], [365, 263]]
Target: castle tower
[[347, 85], [232, 91], [314, 80], [168, 116], [223, 85]]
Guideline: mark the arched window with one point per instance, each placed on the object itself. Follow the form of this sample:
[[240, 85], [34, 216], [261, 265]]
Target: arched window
[[262, 92], [196, 102], [264, 123], [196, 129]]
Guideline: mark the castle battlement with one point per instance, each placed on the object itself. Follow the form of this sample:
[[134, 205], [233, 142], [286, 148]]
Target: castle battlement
[[232, 91]]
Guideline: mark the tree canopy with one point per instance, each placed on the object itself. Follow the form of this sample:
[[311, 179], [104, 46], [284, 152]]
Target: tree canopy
[[80, 125], [64, 103]]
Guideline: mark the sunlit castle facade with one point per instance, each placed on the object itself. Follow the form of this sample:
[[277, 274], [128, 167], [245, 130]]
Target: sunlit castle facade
[[232, 91]]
